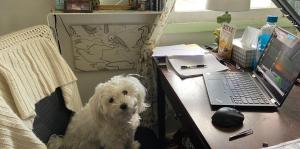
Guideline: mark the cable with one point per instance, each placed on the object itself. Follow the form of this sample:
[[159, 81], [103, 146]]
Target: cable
[[64, 25], [57, 38]]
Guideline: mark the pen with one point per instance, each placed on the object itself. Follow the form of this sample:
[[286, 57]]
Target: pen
[[241, 134], [192, 66]]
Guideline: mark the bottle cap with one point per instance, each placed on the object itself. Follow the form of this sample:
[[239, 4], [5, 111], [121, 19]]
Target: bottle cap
[[272, 19]]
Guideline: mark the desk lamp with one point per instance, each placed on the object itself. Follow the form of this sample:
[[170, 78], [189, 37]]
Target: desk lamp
[[227, 6]]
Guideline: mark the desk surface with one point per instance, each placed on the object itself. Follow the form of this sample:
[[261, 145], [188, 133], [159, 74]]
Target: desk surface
[[192, 100]]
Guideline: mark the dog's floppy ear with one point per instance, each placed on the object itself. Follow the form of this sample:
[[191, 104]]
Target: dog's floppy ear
[[95, 99], [141, 96]]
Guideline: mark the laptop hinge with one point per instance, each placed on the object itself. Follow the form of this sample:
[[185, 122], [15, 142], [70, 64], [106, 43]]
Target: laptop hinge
[[266, 90], [274, 101]]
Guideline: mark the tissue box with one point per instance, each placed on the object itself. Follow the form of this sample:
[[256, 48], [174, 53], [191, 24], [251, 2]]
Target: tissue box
[[244, 49], [242, 55]]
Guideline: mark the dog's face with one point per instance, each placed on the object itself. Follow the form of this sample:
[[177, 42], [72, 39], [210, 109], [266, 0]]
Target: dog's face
[[120, 98]]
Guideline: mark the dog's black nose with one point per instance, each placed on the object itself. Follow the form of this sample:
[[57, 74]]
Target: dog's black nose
[[125, 92], [123, 106]]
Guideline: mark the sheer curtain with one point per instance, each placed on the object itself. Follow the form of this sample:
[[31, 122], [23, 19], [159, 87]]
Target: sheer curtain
[[145, 64]]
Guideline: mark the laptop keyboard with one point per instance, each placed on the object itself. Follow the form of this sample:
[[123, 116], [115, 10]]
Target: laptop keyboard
[[244, 89]]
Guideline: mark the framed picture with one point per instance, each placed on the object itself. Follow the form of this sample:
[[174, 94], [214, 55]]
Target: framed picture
[[78, 6], [114, 5]]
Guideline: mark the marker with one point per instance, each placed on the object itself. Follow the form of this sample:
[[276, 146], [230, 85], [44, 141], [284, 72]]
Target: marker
[[192, 66], [241, 134]]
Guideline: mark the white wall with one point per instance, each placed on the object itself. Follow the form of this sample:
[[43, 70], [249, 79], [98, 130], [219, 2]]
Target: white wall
[[19, 14]]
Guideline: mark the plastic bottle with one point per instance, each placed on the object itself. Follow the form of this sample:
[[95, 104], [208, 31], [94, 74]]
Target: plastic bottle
[[264, 36]]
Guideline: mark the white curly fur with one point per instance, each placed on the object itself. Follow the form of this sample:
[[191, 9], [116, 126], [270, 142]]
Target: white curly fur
[[102, 123]]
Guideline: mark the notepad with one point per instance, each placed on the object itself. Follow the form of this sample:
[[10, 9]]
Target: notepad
[[209, 60]]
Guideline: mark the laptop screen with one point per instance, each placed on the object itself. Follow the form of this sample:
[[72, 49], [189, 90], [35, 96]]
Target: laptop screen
[[280, 63]]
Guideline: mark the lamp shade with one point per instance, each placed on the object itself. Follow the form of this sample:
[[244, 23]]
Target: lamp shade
[[228, 5]]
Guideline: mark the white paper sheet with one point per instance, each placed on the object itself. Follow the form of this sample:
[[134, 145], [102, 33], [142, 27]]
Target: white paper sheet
[[212, 65]]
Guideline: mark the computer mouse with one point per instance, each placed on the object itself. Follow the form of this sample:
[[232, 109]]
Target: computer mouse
[[227, 117]]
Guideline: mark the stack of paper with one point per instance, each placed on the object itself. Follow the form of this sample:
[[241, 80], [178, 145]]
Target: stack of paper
[[178, 50], [189, 55]]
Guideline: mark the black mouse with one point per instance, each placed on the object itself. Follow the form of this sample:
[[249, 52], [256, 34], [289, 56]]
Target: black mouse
[[227, 117]]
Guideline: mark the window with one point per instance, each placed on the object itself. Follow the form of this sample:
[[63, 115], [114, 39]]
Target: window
[[199, 5], [259, 4], [192, 16]]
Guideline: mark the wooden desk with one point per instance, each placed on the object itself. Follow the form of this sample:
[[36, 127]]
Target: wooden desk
[[190, 102]]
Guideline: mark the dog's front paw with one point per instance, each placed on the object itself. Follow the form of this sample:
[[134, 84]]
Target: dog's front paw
[[135, 145]]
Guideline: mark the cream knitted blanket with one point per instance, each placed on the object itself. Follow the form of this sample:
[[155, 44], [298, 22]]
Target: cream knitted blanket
[[13, 132], [31, 68]]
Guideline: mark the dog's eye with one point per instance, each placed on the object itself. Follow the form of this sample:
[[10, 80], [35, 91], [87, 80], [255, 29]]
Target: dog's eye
[[111, 100], [125, 92]]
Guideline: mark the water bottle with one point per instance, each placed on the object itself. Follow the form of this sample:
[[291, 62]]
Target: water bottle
[[264, 36]]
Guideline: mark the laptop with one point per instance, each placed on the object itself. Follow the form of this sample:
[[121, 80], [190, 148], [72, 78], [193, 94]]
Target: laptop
[[270, 82]]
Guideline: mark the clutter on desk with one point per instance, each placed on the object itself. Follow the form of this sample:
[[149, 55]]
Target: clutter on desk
[[225, 42], [244, 49]]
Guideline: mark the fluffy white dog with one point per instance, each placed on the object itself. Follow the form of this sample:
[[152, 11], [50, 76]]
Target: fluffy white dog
[[110, 118]]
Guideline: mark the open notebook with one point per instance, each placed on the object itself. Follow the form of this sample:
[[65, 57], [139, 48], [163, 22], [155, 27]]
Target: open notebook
[[209, 60]]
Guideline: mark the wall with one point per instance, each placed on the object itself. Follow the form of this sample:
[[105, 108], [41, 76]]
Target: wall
[[19, 14]]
